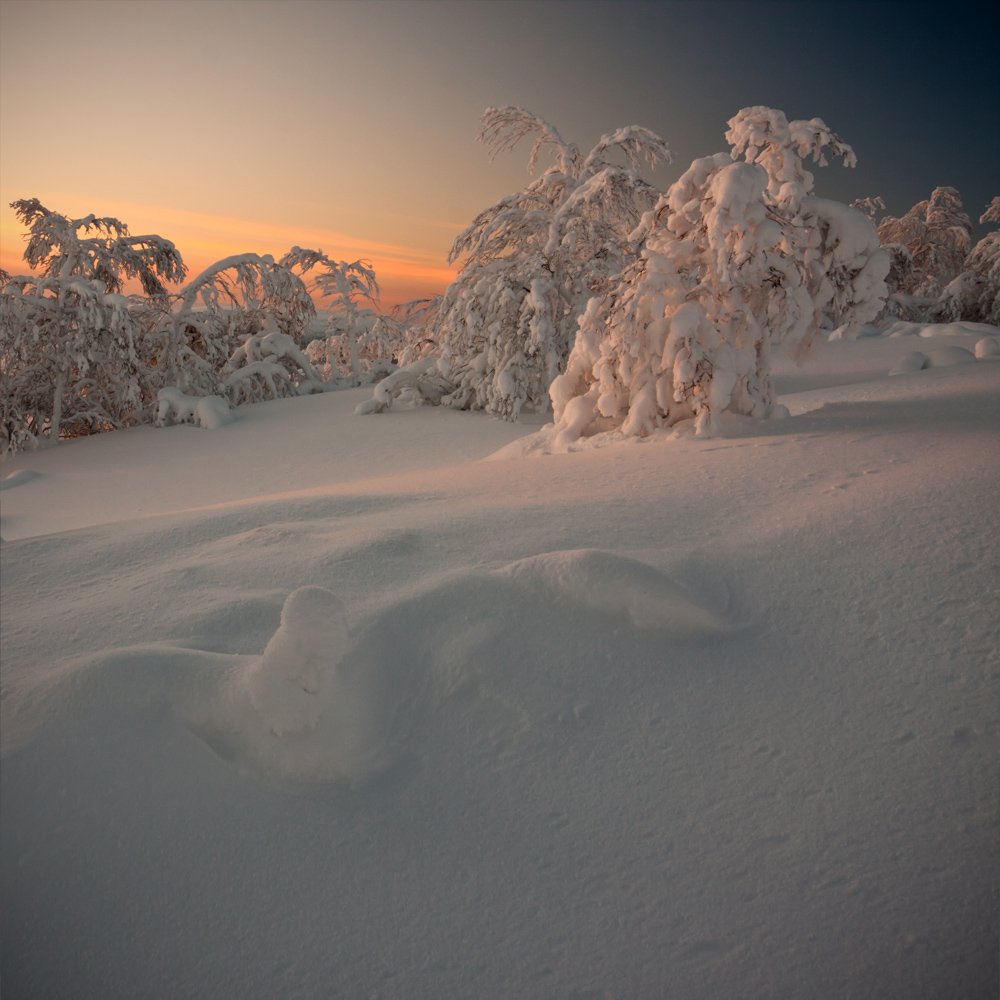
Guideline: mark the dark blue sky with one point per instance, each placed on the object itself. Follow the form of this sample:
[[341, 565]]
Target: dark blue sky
[[914, 87]]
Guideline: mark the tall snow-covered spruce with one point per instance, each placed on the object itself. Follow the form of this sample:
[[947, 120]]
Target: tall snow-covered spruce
[[736, 258], [531, 261]]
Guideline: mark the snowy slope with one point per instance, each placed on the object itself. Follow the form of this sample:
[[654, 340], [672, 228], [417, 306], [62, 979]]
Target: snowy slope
[[696, 718]]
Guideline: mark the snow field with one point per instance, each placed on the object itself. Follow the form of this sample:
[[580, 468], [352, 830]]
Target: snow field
[[364, 716]]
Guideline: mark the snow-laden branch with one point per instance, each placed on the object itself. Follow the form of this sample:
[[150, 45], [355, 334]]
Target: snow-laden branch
[[501, 129]]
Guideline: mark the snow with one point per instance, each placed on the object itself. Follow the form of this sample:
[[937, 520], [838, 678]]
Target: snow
[[943, 357], [174, 406], [324, 705], [987, 347]]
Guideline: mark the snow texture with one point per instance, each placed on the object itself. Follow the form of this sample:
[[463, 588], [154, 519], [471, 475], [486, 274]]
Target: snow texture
[[323, 706]]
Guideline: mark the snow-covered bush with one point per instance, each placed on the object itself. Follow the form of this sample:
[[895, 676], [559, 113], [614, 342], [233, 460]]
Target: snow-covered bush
[[937, 233], [347, 352], [176, 407], [418, 321], [531, 261], [77, 355], [268, 365], [736, 258], [221, 323], [974, 295], [390, 340], [345, 289], [111, 255], [402, 359], [423, 381]]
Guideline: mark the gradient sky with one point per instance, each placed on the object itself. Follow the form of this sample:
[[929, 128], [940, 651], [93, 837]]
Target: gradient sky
[[238, 125]]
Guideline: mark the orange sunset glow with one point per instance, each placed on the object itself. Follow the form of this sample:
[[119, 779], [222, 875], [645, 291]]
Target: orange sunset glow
[[404, 273], [231, 127]]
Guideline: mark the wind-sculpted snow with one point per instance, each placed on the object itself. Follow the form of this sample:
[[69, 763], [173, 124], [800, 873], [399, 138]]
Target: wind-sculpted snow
[[301, 710], [607, 584], [18, 478], [293, 678], [942, 357], [304, 708], [507, 648]]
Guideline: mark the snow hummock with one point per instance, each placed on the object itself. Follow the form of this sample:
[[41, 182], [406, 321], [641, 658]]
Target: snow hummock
[[323, 705], [913, 361], [987, 347], [291, 680]]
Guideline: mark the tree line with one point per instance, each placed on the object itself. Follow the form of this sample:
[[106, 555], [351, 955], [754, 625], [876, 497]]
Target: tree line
[[589, 292]]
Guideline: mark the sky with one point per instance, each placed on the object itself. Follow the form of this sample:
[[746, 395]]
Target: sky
[[231, 126]]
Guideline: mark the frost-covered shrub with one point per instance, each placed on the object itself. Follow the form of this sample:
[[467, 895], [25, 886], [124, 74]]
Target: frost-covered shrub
[[77, 355], [974, 295], [531, 261], [176, 407], [352, 349], [418, 321], [514, 333], [266, 366], [423, 381], [736, 258], [236, 329], [345, 288], [937, 233]]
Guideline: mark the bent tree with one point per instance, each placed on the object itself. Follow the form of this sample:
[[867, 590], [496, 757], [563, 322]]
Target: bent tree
[[77, 354], [531, 261]]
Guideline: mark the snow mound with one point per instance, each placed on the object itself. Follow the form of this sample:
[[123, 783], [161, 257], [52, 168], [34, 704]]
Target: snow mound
[[987, 347], [915, 361], [903, 328], [490, 657], [213, 412], [948, 357], [942, 357], [287, 684], [300, 711], [608, 583]]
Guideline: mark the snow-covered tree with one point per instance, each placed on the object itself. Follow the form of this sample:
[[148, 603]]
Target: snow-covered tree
[[105, 251], [235, 325], [348, 290], [737, 258], [531, 261], [974, 295], [418, 319], [938, 234], [77, 355]]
